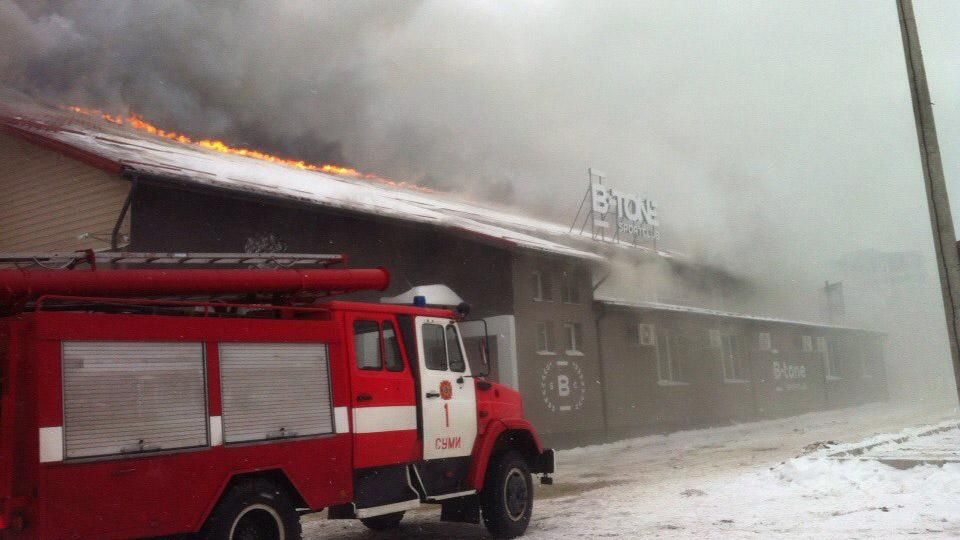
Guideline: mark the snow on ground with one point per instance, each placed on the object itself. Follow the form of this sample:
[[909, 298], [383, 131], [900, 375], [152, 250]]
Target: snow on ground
[[940, 447], [757, 480]]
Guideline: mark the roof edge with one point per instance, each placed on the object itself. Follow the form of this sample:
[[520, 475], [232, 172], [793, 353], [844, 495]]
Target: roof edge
[[692, 310]]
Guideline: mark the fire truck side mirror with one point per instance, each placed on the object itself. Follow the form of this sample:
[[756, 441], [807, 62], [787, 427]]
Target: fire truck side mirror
[[485, 350]]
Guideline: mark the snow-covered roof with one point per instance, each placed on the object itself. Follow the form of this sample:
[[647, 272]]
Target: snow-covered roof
[[718, 313], [147, 154]]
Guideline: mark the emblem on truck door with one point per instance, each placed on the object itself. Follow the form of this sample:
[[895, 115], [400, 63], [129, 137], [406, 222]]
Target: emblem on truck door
[[446, 389]]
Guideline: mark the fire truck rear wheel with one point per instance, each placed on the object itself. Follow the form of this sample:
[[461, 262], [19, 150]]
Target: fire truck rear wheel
[[254, 510], [384, 522], [507, 497]]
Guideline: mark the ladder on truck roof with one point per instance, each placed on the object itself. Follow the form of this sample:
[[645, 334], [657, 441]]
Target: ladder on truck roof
[[71, 259]]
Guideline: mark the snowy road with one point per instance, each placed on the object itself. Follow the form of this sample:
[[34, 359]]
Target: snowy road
[[737, 481]]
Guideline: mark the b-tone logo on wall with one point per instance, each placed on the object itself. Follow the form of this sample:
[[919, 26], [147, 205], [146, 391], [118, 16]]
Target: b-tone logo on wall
[[790, 376], [562, 385]]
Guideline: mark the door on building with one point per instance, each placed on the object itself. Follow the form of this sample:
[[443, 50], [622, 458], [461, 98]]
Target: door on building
[[448, 407]]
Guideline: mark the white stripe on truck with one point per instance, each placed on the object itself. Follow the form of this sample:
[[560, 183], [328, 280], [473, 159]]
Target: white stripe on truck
[[341, 420], [380, 419], [216, 431], [51, 444]]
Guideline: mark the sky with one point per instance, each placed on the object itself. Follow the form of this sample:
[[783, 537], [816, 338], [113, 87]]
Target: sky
[[774, 136]]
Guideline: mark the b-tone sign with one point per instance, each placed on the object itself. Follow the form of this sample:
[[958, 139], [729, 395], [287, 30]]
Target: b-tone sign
[[629, 214]]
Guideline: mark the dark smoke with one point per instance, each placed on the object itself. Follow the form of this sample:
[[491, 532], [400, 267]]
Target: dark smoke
[[287, 78], [774, 136]]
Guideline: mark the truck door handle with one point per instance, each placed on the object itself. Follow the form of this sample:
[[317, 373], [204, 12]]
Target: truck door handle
[[433, 394], [364, 397]]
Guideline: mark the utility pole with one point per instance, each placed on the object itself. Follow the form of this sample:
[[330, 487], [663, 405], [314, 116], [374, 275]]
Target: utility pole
[[944, 239]]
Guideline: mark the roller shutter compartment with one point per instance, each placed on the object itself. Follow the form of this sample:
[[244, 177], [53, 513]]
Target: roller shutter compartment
[[132, 397], [274, 391]]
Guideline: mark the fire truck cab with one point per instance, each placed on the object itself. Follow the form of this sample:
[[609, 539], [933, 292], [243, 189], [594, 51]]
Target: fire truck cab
[[125, 417]]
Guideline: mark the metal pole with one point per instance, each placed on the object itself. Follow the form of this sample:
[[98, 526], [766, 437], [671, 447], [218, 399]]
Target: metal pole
[[945, 241]]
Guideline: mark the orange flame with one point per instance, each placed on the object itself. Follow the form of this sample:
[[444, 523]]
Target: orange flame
[[137, 122]]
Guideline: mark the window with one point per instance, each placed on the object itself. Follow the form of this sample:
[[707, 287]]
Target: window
[[572, 338], [831, 358], [366, 344], [275, 390], [569, 291], [715, 339], [453, 350], [540, 284], [806, 344], [668, 358], [545, 338], [765, 344], [646, 336], [865, 370], [391, 348], [536, 285], [434, 347], [132, 397], [733, 368]]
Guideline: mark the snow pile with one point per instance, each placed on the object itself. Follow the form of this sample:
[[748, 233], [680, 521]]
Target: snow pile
[[859, 498], [803, 497], [742, 481]]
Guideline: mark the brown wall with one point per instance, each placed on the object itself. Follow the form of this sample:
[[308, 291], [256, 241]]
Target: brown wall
[[859, 382], [780, 382], [50, 199], [788, 380], [638, 401], [562, 393], [570, 398], [167, 219]]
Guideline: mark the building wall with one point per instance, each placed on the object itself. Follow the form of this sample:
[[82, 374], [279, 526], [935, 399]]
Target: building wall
[[50, 199], [787, 380], [569, 395], [562, 390], [774, 382], [639, 398], [166, 219]]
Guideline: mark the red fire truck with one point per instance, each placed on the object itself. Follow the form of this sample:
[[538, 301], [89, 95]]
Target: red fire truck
[[150, 399]]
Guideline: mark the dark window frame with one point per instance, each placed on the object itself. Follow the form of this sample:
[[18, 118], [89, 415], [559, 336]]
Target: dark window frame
[[396, 347], [550, 338], [427, 357], [569, 292], [447, 332]]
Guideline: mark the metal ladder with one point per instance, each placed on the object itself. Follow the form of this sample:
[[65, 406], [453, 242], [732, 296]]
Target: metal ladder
[[72, 259]]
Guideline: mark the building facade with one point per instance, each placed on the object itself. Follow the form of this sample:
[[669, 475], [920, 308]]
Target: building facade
[[589, 366]]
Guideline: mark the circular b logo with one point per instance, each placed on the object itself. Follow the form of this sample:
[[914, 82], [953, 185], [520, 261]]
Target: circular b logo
[[562, 386], [446, 389]]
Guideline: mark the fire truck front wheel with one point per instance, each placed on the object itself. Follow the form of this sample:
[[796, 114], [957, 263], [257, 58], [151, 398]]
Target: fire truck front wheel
[[507, 497], [254, 509]]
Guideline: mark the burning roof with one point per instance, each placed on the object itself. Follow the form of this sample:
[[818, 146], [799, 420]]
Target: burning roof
[[132, 143]]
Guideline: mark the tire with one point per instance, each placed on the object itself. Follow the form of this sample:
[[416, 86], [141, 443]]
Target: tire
[[253, 510], [384, 522], [507, 497]]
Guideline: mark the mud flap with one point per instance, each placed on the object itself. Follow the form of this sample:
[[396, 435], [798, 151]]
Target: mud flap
[[341, 511], [461, 510], [382, 486]]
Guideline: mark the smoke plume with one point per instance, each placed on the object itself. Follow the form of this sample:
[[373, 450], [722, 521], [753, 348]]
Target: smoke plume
[[774, 136]]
